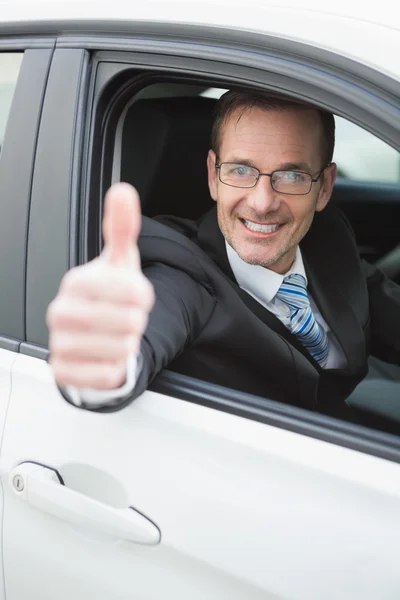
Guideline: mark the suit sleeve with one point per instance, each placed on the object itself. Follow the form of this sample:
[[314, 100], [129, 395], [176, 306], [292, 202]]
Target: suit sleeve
[[384, 301]]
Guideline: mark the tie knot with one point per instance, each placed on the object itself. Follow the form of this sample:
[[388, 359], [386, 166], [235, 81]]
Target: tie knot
[[293, 291]]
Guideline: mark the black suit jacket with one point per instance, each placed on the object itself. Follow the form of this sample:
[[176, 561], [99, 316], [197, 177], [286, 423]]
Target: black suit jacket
[[203, 325]]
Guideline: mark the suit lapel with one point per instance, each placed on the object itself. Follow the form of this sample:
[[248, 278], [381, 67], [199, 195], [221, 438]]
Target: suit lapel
[[324, 286]]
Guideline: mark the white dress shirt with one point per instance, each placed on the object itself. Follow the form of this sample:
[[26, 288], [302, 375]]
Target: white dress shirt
[[261, 283]]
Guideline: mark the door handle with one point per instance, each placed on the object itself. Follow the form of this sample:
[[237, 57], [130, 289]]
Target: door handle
[[42, 488]]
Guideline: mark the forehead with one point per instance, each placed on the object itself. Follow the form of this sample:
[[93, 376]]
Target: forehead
[[283, 135]]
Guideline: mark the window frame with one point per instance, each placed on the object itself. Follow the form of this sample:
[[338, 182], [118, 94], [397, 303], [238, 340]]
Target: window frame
[[55, 191]]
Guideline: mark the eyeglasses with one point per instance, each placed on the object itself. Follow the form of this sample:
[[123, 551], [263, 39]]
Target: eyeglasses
[[293, 183]]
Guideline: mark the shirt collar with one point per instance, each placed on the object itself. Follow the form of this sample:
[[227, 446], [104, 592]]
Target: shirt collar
[[260, 282]]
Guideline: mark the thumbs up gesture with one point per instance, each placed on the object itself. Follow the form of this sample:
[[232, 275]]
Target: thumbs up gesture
[[101, 310]]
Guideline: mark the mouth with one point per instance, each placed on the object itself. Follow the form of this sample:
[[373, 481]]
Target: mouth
[[266, 229]]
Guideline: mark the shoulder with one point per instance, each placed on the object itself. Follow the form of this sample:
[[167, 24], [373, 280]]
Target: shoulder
[[167, 238], [172, 242], [168, 227], [330, 226]]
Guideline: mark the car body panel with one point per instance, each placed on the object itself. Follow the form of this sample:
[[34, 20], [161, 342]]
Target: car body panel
[[244, 509]]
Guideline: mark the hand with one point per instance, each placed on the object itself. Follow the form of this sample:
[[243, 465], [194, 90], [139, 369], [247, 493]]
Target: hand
[[101, 310]]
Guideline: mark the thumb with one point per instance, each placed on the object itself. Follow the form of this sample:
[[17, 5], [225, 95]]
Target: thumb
[[121, 225]]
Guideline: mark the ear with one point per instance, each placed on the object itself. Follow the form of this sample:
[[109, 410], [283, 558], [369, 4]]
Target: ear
[[328, 181], [212, 174]]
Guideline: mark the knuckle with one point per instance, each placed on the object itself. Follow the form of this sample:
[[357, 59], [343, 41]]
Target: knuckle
[[125, 347], [56, 345], [52, 346], [131, 320], [133, 290], [112, 376], [70, 280], [145, 294], [57, 312], [60, 372], [149, 293], [136, 323], [52, 313], [142, 322]]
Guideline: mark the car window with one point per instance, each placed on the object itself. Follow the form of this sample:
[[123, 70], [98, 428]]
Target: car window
[[361, 156], [10, 64]]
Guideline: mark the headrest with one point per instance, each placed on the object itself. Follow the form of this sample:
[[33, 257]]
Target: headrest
[[165, 142]]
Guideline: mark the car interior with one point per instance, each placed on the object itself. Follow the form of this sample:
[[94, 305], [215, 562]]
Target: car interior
[[165, 130]]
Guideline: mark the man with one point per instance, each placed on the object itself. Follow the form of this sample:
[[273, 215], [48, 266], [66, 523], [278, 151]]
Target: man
[[265, 293]]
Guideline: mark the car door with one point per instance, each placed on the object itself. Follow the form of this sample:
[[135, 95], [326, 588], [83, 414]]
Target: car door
[[22, 76], [193, 490]]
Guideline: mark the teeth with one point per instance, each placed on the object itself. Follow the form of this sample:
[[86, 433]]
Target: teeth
[[260, 228]]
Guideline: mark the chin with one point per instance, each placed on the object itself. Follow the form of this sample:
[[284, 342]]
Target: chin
[[256, 258]]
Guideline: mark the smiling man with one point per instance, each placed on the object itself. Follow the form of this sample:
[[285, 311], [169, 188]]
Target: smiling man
[[265, 293]]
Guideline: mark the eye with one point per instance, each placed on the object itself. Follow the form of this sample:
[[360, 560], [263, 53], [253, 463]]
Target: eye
[[294, 176], [242, 171]]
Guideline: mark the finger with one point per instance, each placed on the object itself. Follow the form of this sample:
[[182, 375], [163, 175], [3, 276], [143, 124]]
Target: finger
[[77, 346], [98, 375], [82, 315], [104, 283], [121, 225]]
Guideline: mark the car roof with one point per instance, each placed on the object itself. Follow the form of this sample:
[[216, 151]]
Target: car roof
[[370, 35]]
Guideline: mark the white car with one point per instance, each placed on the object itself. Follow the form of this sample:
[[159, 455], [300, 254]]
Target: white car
[[193, 491]]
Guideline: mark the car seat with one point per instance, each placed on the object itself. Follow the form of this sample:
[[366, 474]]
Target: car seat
[[165, 142]]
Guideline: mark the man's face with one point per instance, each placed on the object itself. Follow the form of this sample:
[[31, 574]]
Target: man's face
[[288, 139]]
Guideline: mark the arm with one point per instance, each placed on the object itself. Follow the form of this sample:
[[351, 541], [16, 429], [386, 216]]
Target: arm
[[104, 314], [182, 308]]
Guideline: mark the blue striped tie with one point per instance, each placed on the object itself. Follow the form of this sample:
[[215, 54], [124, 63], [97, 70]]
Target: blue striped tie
[[303, 324]]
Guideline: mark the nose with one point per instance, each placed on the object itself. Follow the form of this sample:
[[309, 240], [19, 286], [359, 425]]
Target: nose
[[262, 198]]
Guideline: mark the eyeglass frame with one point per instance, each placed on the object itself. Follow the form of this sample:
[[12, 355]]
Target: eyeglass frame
[[313, 180]]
